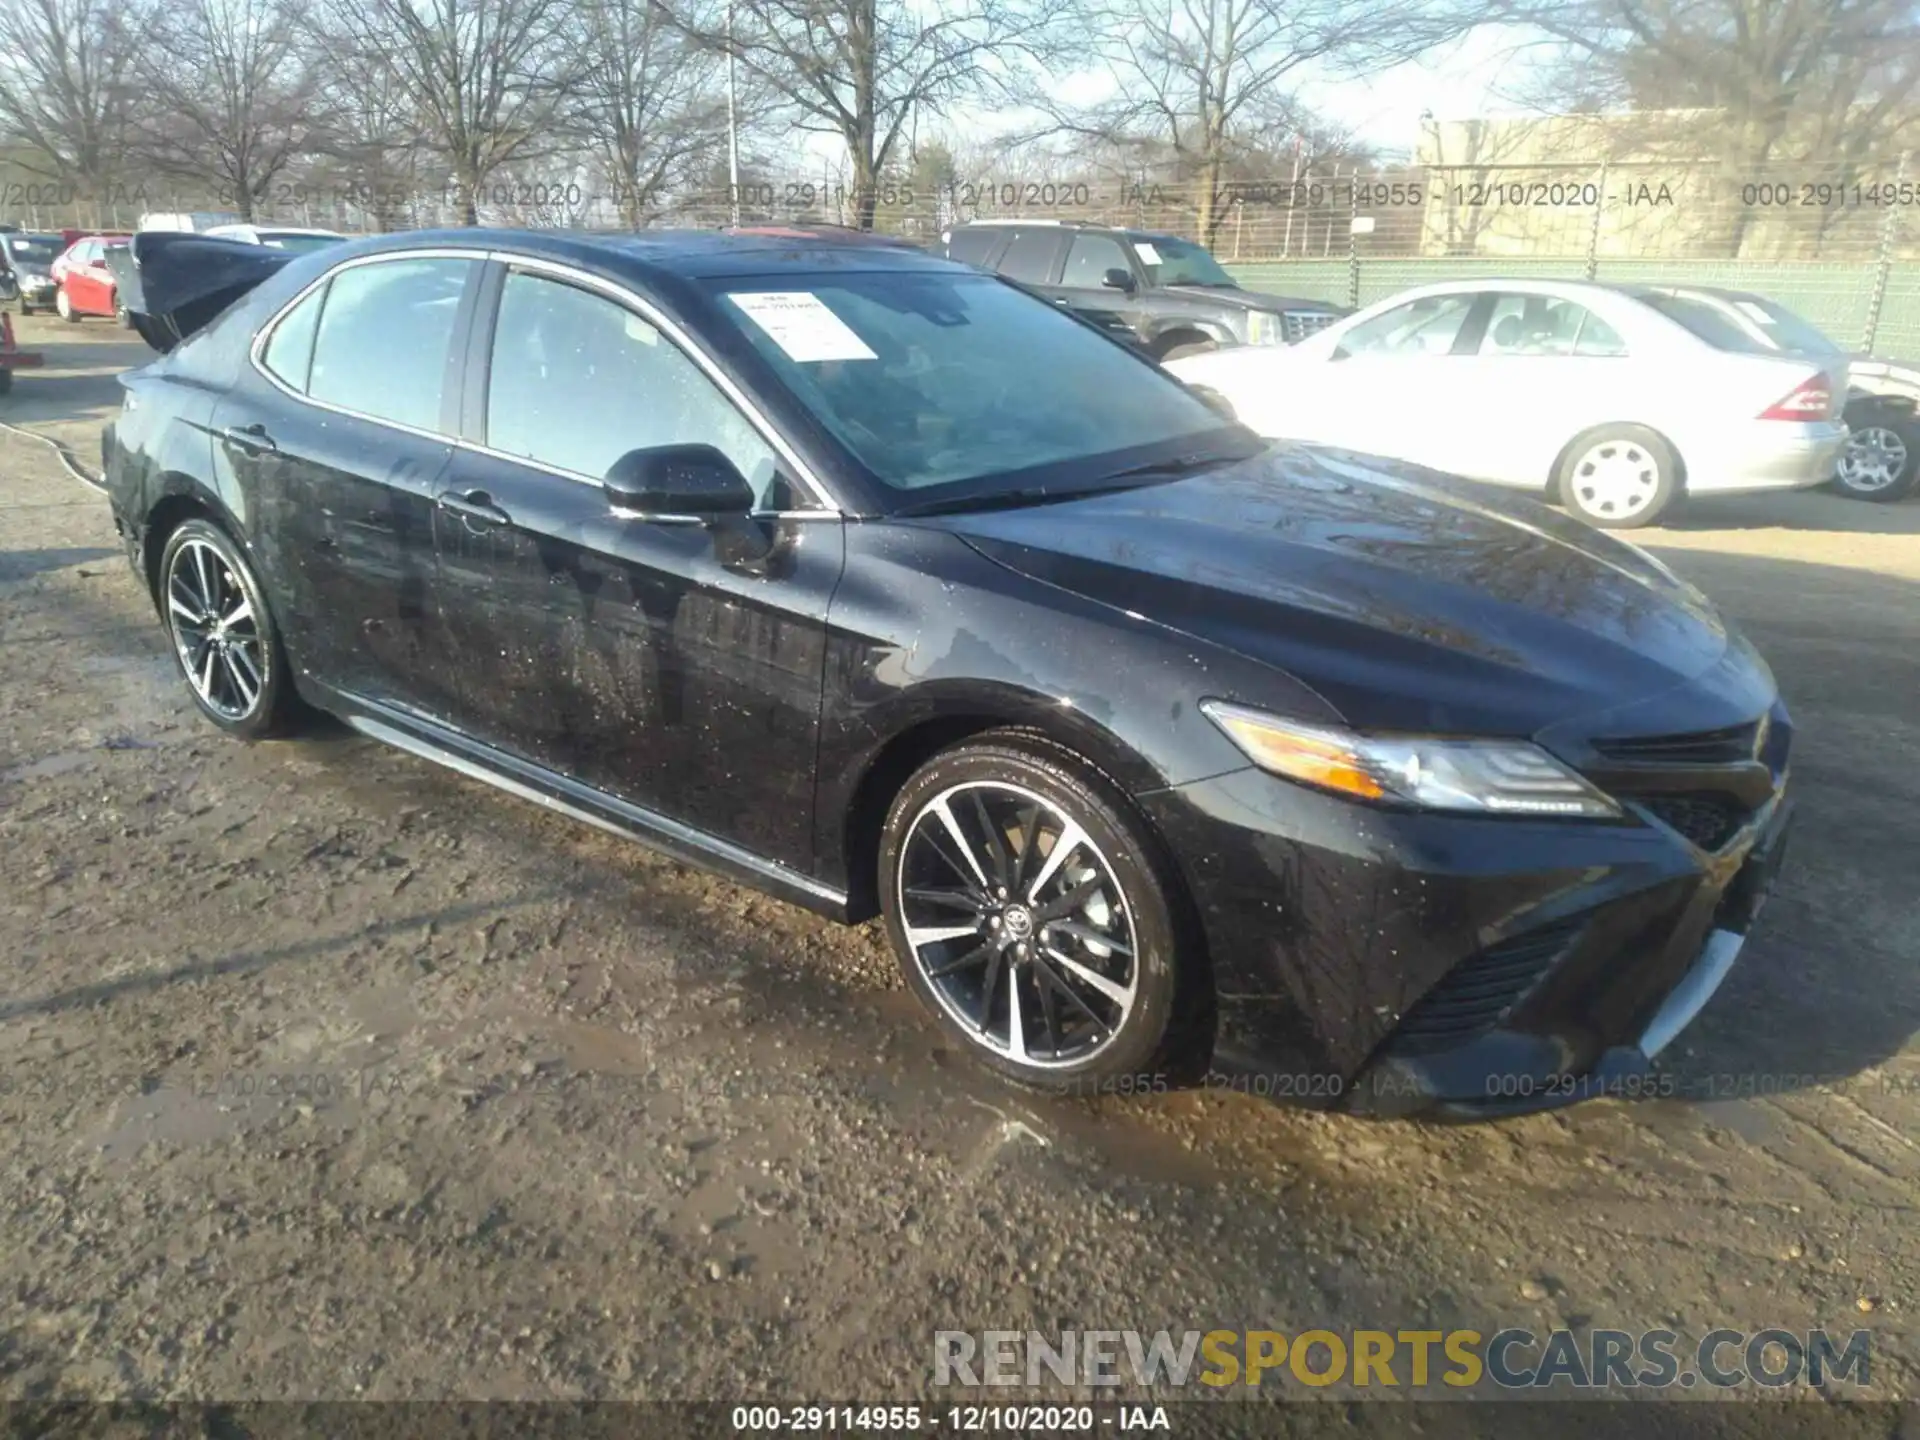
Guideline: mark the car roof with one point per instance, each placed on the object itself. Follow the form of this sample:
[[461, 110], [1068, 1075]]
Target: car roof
[[692, 254]]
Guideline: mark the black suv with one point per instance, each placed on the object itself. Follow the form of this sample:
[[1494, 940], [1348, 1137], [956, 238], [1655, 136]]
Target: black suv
[[1168, 294]]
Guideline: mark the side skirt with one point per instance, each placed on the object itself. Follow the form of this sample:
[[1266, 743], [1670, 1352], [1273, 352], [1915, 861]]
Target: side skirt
[[569, 797]]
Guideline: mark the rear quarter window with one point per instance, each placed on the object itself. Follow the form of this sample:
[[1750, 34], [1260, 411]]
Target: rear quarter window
[[972, 247]]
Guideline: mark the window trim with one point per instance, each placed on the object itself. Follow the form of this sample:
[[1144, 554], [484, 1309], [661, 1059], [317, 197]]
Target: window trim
[[802, 473]]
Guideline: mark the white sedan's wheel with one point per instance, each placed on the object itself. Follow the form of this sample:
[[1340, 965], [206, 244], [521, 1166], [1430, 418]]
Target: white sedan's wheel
[[1619, 478]]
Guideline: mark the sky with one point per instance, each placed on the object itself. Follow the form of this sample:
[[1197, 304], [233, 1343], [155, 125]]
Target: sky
[[1476, 76]]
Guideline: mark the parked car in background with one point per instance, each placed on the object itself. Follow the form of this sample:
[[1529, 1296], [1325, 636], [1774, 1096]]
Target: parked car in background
[[12, 357], [871, 580], [196, 221], [1170, 294], [1586, 392], [1882, 457], [297, 239], [29, 256], [84, 282]]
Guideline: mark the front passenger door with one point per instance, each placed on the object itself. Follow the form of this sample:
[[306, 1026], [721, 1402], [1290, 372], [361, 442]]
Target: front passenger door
[[650, 660]]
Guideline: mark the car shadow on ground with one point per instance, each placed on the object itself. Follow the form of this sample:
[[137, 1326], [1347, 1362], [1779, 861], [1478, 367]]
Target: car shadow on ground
[[1793, 510], [25, 564]]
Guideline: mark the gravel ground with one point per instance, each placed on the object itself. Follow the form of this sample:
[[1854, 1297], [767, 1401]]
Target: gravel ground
[[326, 1074]]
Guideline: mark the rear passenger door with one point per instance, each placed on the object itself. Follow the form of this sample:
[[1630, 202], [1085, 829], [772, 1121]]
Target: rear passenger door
[[1546, 368], [337, 446]]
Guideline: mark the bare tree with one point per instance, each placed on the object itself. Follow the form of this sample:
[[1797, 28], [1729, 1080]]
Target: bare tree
[[1199, 79], [1830, 84], [864, 70], [234, 92], [67, 86], [648, 100], [476, 80]]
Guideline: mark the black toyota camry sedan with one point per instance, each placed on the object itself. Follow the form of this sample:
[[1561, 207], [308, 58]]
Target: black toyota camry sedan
[[868, 579]]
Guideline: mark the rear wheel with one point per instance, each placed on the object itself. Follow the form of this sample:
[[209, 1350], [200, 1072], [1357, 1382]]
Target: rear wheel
[[1028, 913], [223, 634], [1619, 477], [1881, 461]]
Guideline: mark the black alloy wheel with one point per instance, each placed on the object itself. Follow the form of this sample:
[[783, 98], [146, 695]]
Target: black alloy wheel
[[1027, 914], [222, 633]]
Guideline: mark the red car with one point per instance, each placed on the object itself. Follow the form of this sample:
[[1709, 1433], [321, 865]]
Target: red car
[[85, 284]]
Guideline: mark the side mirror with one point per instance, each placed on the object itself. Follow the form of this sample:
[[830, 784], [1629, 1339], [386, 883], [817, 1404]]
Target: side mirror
[[678, 482], [1118, 279]]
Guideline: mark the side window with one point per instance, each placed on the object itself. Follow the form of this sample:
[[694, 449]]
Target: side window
[[1030, 256], [289, 352], [1090, 257], [576, 381], [1427, 326], [972, 247], [1544, 325], [384, 336]]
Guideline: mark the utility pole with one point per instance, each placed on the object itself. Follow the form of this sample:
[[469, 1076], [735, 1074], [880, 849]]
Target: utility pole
[[733, 132]]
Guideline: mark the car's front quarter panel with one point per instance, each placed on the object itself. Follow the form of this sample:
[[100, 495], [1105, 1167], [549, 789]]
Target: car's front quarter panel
[[924, 629]]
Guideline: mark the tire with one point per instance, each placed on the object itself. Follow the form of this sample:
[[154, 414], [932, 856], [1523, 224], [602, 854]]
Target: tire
[[1881, 461], [6, 379], [64, 307], [234, 668], [1619, 477], [1180, 349], [1090, 1012]]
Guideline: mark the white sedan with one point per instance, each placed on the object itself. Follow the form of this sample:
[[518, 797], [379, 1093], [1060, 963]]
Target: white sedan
[[1586, 392], [279, 237]]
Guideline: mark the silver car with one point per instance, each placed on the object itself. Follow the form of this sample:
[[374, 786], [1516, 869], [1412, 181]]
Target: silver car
[[1590, 393]]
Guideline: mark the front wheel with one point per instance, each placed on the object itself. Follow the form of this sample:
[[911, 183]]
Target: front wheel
[[223, 634], [63, 305], [1881, 461], [1620, 477], [1029, 914]]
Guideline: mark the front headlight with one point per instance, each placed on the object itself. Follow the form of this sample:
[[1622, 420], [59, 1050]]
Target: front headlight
[[1264, 328], [1487, 777]]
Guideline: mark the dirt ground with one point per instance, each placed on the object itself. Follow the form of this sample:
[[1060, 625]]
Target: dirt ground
[[327, 1074]]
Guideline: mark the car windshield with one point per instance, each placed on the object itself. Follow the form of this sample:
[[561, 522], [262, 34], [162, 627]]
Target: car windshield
[[1744, 325], [1179, 262], [298, 244], [33, 249], [950, 382]]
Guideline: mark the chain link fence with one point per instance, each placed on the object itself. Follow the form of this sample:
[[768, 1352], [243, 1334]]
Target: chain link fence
[[1839, 243]]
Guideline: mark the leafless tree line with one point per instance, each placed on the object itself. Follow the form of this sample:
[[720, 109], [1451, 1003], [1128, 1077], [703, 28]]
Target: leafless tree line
[[385, 96]]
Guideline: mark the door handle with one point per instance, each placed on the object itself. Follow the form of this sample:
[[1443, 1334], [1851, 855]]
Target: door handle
[[251, 438], [474, 505]]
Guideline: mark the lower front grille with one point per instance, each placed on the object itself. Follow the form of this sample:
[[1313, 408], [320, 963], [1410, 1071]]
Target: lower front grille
[[1479, 992], [1706, 819]]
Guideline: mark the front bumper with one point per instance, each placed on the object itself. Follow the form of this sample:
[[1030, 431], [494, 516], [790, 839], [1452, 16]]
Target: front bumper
[[1396, 963]]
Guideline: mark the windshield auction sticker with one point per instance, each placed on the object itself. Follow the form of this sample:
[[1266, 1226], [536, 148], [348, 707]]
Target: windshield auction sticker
[[802, 325]]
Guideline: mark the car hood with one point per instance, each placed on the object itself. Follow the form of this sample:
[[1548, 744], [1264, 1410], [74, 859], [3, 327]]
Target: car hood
[[1399, 595], [1253, 299]]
